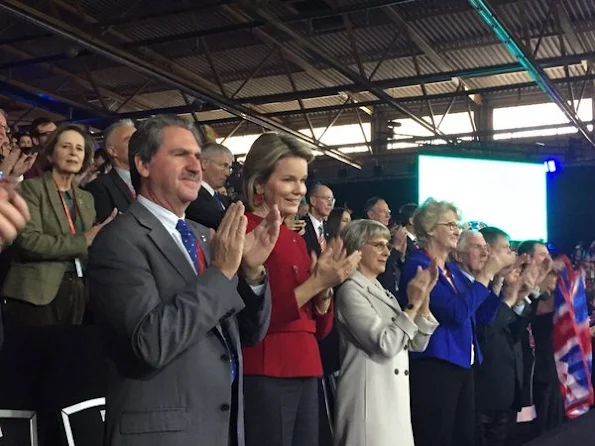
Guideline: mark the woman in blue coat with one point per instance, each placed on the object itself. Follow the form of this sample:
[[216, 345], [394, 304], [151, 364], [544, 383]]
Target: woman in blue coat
[[442, 389]]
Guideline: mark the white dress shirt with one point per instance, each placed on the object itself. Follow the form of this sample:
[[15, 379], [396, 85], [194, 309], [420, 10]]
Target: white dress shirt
[[318, 225], [208, 188], [125, 175], [169, 220], [472, 279]]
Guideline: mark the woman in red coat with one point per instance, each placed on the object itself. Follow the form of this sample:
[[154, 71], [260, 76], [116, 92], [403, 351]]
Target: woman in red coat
[[281, 372]]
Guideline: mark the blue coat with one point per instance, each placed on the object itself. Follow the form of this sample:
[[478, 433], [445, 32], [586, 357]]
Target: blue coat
[[456, 311]]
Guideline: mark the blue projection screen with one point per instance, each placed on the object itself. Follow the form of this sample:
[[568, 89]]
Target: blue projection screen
[[507, 194]]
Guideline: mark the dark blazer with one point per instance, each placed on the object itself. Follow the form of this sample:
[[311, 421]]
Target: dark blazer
[[311, 236], [45, 247], [109, 191], [499, 379], [457, 311], [169, 377], [391, 276], [205, 209]]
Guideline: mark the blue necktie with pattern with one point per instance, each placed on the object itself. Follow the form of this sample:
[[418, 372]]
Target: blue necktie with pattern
[[190, 244]]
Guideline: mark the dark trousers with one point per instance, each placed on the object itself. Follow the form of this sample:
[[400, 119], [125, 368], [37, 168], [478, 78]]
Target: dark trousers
[[281, 411], [496, 428], [67, 308], [548, 405], [442, 403]]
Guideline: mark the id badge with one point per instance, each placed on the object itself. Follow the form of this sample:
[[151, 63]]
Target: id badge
[[79, 267]]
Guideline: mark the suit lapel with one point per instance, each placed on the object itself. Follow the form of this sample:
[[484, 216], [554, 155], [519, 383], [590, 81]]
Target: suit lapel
[[377, 292], [120, 185], [56, 203], [163, 240], [86, 211]]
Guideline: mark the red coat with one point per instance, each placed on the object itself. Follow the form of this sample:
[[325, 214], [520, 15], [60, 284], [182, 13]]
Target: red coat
[[290, 348]]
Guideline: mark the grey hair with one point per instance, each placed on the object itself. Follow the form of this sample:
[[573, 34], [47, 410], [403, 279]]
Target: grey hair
[[3, 113], [108, 132], [148, 138], [357, 233], [464, 239], [212, 150], [427, 216]]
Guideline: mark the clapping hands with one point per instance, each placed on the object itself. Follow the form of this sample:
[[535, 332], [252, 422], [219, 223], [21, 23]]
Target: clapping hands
[[334, 265], [420, 287]]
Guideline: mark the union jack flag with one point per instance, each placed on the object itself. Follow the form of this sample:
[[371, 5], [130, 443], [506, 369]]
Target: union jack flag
[[572, 341]]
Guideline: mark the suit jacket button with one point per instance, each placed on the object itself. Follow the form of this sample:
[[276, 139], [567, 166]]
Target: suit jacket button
[[406, 348], [393, 319], [224, 407], [406, 372], [225, 358], [396, 371]]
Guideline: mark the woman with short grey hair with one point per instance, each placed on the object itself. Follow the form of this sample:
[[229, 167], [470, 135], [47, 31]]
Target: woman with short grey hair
[[375, 336]]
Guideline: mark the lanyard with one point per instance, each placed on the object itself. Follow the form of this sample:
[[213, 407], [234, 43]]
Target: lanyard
[[67, 211]]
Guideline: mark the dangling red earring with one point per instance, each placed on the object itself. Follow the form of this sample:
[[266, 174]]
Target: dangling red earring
[[257, 200]]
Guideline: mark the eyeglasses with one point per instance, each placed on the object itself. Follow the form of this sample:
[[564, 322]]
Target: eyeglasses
[[380, 246], [330, 200], [452, 225]]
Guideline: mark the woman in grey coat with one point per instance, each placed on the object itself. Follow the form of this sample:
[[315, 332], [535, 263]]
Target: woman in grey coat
[[375, 336]]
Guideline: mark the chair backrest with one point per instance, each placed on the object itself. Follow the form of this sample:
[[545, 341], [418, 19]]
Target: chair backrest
[[18, 427], [84, 422]]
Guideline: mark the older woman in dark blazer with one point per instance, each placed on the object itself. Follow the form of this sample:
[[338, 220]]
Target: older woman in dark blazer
[[45, 284]]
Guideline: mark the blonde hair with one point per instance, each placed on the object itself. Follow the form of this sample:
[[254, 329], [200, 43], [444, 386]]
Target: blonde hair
[[262, 159], [427, 216]]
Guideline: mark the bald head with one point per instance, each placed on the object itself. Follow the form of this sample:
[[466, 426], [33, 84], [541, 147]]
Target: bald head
[[322, 201]]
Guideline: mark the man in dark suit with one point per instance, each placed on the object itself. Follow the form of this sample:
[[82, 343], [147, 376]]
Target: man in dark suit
[[499, 378], [322, 202], [114, 190], [377, 209], [166, 302], [210, 206], [406, 221]]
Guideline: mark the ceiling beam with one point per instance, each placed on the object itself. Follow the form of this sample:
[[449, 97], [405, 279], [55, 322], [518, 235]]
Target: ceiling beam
[[138, 103], [49, 101], [321, 54], [163, 74], [517, 49], [439, 61], [318, 75]]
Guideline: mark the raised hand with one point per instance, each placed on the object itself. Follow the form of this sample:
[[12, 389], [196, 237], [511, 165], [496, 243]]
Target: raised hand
[[10, 159], [259, 243], [498, 260], [92, 233], [294, 225], [334, 265], [23, 164], [227, 245], [420, 287], [14, 212], [399, 239]]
